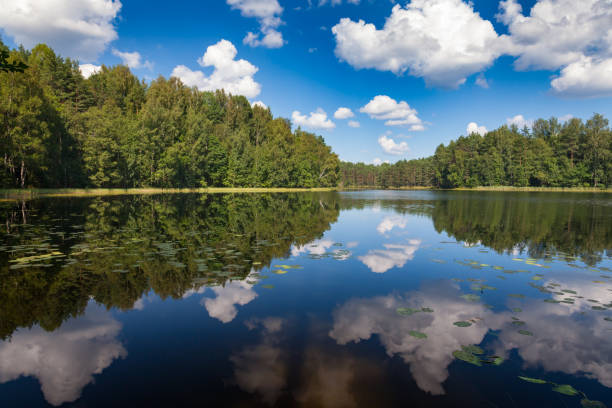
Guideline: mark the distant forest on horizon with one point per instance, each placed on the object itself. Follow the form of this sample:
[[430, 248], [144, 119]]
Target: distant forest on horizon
[[59, 129]]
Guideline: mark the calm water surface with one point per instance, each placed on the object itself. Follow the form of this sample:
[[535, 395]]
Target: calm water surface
[[370, 299]]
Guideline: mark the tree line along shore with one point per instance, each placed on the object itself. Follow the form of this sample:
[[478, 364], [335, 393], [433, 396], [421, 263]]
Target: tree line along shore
[[111, 130]]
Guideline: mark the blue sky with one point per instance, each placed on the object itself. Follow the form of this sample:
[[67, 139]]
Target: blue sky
[[435, 65]]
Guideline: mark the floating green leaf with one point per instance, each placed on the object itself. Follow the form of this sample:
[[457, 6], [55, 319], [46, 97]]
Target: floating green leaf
[[533, 380], [587, 403], [462, 324], [565, 389], [472, 349], [427, 310], [471, 297], [467, 357], [417, 334], [406, 311], [525, 333]]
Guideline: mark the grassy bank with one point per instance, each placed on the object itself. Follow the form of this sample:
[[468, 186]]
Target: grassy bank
[[538, 189], [27, 194], [491, 188], [18, 194]]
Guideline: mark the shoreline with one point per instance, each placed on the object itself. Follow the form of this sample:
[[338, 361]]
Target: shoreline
[[31, 193], [27, 194], [490, 188]]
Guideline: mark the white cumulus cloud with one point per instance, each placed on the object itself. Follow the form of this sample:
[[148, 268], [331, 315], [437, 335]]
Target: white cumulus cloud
[[390, 146], [234, 76], [316, 120], [132, 59], [260, 104], [382, 107], [88, 70], [378, 161], [482, 82], [585, 78], [343, 113], [77, 29], [442, 41], [574, 36], [267, 13], [473, 127], [519, 121]]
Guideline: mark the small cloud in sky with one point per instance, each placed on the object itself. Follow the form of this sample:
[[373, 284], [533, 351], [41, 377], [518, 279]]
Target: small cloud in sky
[[234, 76], [378, 161], [316, 120], [132, 59], [88, 70], [260, 104], [390, 146], [473, 127], [482, 82], [519, 121], [343, 113], [394, 113]]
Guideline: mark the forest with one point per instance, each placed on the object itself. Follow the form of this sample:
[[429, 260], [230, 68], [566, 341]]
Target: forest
[[59, 129], [549, 154]]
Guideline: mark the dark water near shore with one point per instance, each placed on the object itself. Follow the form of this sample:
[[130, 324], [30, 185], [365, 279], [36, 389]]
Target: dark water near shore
[[375, 298]]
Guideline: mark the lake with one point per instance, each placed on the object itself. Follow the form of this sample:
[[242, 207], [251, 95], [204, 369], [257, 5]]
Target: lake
[[366, 298]]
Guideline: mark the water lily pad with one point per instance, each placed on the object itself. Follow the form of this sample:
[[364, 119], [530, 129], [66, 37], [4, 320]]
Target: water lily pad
[[481, 287], [518, 323], [533, 380], [417, 334], [565, 389], [472, 349], [471, 297], [462, 324], [586, 403], [525, 333], [517, 309], [406, 311], [467, 357], [427, 310]]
